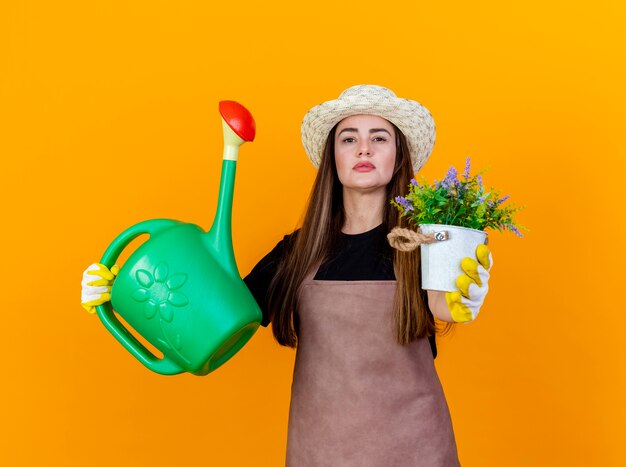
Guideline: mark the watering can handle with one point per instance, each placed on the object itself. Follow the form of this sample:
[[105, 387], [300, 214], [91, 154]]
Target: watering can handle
[[163, 366]]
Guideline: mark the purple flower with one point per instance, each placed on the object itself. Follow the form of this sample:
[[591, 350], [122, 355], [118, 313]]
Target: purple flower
[[502, 200], [450, 178], [480, 180], [405, 203], [437, 185], [467, 168], [414, 182], [513, 229]]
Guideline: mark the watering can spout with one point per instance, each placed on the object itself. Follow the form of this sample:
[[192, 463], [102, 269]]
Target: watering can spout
[[219, 236], [238, 127]]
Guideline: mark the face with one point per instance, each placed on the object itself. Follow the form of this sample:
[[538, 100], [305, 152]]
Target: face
[[365, 152]]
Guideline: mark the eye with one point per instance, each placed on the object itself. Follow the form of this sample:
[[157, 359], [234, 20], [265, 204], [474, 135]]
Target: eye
[[349, 139], [379, 138]]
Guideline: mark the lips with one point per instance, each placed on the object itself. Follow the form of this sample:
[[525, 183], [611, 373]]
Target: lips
[[363, 167]]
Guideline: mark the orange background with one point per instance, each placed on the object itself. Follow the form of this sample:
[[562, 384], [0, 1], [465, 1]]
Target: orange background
[[109, 117]]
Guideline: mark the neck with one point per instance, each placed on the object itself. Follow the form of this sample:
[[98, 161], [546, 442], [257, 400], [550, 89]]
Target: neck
[[363, 210]]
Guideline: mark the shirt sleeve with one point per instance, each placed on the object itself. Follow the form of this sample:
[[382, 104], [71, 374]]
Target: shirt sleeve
[[259, 279]]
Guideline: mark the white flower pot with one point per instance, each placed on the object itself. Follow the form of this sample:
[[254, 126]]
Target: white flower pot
[[441, 261]]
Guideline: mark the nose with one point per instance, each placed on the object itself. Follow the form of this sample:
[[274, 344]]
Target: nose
[[364, 148]]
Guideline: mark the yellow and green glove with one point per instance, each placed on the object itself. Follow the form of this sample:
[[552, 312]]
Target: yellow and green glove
[[465, 304], [96, 285]]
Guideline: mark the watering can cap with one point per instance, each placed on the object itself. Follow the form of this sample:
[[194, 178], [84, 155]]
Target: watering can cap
[[239, 119]]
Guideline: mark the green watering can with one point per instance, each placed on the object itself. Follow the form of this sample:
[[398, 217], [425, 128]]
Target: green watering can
[[181, 289]]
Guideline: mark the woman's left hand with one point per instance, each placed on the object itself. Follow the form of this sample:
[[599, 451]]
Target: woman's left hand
[[465, 304]]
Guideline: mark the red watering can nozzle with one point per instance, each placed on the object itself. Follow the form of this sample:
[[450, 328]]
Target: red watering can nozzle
[[239, 119]]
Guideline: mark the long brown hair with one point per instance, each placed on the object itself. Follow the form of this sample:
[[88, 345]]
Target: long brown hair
[[319, 235]]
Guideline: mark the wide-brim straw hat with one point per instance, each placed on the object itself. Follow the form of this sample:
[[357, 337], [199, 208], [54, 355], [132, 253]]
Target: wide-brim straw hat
[[411, 117]]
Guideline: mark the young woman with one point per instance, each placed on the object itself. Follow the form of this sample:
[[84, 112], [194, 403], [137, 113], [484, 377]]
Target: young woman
[[365, 391]]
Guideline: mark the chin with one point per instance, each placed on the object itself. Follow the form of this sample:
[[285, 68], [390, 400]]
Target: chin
[[365, 187]]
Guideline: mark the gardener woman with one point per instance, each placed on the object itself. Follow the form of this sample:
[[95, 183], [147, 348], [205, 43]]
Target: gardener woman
[[365, 390]]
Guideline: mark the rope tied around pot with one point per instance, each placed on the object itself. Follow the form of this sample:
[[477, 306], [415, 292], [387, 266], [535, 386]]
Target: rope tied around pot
[[408, 240]]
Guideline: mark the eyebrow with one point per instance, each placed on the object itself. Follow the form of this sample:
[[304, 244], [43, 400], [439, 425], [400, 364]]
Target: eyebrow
[[372, 130]]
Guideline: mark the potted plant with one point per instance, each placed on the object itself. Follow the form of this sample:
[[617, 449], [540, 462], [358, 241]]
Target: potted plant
[[450, 217]]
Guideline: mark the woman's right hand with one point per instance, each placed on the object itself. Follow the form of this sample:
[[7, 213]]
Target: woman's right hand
[[96, 285]]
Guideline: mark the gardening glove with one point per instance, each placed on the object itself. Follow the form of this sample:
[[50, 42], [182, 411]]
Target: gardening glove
[[96, 285], [465, 304]]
